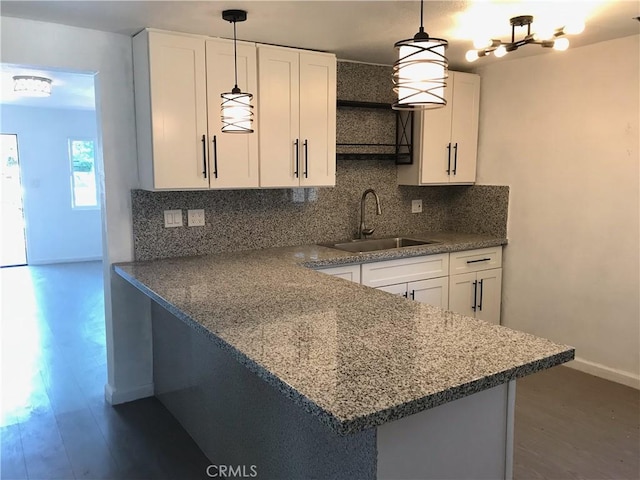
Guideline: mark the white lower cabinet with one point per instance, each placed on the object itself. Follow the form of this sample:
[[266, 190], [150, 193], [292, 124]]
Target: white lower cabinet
[[423, 279], [477, 292], [474, 287], [434, 291], [348, 272]]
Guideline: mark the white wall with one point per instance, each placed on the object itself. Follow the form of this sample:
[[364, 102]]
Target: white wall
[[562, 131], [109, 55], [55, 231]]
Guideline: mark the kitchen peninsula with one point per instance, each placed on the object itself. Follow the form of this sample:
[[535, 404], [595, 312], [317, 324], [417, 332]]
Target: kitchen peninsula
[[268, 363]]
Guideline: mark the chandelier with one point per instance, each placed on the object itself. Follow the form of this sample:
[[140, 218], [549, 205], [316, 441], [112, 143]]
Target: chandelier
[[552, 39], [31, 86]]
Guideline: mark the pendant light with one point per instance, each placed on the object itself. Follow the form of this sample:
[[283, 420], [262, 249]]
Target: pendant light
[[236, 108], [420, 74]]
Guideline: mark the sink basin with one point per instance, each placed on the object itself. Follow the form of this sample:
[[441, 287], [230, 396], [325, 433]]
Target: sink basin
[[376, 244]]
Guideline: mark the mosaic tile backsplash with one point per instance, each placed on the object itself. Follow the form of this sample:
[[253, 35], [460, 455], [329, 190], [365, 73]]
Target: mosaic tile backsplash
[[253, 219]]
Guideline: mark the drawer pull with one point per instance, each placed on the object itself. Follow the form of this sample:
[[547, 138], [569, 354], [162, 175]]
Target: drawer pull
[[480, 303], [413, 294], [405, 295], [479, 260], [449, 159]]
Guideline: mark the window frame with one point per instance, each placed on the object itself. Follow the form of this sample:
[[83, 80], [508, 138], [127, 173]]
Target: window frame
[[72, 178]]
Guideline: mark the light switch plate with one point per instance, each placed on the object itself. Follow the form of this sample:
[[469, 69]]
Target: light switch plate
[[172, 218], [416, 206], [195, 218]]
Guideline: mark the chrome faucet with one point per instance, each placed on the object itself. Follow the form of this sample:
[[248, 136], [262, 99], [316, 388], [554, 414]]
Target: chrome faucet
[[363, 231]]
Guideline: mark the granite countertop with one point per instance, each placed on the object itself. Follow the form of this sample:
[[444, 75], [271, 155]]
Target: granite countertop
[[353, 356]]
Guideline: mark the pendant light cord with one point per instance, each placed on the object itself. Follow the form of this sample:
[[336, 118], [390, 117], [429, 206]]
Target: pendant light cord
[[235, 54], [421, 34]]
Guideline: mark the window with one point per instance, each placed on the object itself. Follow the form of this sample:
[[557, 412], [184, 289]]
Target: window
[[83, 173]]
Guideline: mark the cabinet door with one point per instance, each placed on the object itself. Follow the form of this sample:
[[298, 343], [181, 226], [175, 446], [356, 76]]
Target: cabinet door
[[461, 293], [317, 119], [434, 137], [489, 295], [278, 114], [399, 289], [233, 158], [433, 292], [178, 104], [464, 127]]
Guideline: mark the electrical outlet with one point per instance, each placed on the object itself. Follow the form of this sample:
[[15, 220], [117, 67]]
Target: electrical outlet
[[416, 206], [172, 218], [195, 218]]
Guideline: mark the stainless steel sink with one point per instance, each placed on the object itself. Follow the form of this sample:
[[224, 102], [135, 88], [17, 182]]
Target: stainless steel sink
[[376, 244]]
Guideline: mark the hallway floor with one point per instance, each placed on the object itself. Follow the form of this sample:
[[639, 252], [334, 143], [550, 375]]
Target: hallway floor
[[55, 423]]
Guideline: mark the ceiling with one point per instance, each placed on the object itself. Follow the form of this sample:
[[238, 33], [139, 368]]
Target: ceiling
[[363, 30]]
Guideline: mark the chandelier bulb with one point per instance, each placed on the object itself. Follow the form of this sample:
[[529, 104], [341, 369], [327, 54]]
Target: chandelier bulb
[[472, 56], [561, 44], [500, 52]]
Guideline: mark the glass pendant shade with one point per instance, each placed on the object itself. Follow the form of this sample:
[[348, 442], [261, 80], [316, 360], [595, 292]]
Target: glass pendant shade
[[420, 74], [30, 86], [237, 112]]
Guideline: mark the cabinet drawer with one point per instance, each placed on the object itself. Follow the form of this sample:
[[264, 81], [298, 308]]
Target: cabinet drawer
[[348, 272], [475, 260], [402, 270]]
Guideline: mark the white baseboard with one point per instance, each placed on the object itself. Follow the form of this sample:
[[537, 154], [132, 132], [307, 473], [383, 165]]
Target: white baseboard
[[618, 376], [115, 396]]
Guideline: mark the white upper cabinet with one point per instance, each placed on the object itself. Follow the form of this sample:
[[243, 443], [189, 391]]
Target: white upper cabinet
[[445, 140], [171, 110], [297, 115], [178, 82], [233, 158]]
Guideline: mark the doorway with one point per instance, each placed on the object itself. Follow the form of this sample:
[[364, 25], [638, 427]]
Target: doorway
[[13, 251]]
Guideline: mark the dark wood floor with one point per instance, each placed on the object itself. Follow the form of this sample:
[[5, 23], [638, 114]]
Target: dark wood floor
[[55, 424], [54, 421]]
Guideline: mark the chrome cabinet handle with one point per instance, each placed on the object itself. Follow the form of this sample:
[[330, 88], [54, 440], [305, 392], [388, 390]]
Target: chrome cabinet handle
[[204, 156]]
